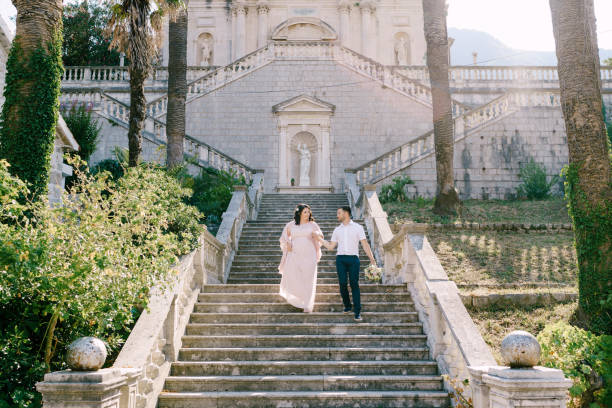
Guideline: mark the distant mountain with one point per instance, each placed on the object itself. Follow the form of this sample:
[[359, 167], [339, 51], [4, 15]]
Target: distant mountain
[[491, 51]]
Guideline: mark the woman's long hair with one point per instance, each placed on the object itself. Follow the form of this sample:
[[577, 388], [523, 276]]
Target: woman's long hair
[[297, 215]]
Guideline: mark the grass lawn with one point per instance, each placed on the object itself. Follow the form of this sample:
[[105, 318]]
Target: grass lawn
[[550, 211], [503, 257], [494, 324]]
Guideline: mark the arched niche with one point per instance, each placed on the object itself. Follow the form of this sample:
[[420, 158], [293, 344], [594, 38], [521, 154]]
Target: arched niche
[[401, 49], [204, 50], [304, 29], [304, 140]]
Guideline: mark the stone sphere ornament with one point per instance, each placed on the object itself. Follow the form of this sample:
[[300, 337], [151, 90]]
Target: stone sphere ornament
[[520, 349], [86, 354]]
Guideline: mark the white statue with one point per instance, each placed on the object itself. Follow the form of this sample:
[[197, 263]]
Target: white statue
[[206, 51], [401, 51], [304, 164]]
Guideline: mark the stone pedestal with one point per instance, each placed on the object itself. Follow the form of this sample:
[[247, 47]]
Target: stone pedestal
[[501, 387], [107, 388]]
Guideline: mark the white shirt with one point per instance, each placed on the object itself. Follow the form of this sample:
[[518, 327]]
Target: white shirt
[[348, 237]]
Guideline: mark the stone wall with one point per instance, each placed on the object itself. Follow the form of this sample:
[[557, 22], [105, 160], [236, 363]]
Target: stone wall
[[368, 119], [487, 163]]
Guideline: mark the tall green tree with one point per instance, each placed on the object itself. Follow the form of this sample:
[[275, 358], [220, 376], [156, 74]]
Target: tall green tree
[[589, 180], [447, 200], [135, 27], [177, 88], [84, 39], [33, 73]]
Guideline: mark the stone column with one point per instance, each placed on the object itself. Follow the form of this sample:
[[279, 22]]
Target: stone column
[[283, 159], [263, 9], [368, 37], [233, 49], [344, 8], [325, 161], [240, 9]]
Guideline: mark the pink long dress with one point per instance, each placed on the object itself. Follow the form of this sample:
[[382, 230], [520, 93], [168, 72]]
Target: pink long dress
[[299, 266]]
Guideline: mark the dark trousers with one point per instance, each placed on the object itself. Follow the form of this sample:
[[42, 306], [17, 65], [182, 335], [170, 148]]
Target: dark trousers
[[347, 267]]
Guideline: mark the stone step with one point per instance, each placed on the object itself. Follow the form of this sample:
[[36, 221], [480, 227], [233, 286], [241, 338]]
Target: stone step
[[302, 328], [321, 288], [303, 383], [324, 266], [245, 297], [310, 399], [315, 317], [299, 340], [309, 353], [238, 273], [275, 280], [287, 308], [301, 367]]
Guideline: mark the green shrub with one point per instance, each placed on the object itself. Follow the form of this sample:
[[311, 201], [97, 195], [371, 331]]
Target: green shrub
[[112, 166], [212, 192], [84, 268], [584, 357], [395, 191], [534, 186], [84, 128]]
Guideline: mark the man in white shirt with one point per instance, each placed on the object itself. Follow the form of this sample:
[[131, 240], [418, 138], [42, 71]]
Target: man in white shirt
[[347, 237]]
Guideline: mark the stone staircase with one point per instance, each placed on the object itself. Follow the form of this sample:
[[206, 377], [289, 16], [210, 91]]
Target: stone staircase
[[245, 347]]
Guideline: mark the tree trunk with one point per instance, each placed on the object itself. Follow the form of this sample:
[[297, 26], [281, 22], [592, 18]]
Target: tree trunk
[[588, 185], [140, 67], [177, 89], [30, 111], [434, 15]]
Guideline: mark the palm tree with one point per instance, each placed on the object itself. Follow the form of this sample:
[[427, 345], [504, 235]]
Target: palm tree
[[135, 26], [31, 108], [434, 15], [588, 186], [177, 88]]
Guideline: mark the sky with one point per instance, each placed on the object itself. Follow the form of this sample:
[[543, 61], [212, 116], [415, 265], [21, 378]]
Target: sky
[[520, 24]]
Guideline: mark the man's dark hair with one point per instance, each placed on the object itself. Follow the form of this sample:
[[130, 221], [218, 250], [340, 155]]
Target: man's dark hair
[[347, 209]]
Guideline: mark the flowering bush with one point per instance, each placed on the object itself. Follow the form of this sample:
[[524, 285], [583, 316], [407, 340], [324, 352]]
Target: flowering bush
[[84, 268], [585, 358], [373, 274]]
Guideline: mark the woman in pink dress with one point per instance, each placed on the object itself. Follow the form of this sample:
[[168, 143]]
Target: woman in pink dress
[[301, 253]]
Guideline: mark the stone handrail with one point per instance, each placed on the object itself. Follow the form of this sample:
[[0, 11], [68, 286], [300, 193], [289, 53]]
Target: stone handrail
[[453, 339], [392, 78], [199, 152], [421, 147], [499, 76], [139, 372], [215, 79], [89, 75], [317, 50]]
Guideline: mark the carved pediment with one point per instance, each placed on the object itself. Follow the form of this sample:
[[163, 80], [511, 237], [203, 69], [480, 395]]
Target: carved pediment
[[304, 29], [304, 104]]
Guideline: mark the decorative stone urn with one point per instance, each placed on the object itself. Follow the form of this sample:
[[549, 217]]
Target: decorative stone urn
[[86, 354], [520, 349]]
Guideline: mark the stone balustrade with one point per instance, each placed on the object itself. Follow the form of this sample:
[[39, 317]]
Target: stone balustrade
[[155, 132], [97, 75], [452, 337], [398, 159], [500, 76], [138, 374]]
